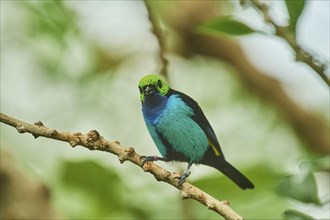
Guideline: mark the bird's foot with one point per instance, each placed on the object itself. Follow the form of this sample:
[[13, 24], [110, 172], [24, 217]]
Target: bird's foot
[[183, 178], [150, 158]]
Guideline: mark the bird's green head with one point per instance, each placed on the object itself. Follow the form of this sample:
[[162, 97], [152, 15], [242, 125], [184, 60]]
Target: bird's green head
[[150, 84]]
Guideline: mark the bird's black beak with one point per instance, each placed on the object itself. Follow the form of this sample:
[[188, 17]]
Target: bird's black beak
[[149, 90]]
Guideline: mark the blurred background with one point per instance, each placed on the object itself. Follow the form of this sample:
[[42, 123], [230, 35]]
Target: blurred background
[[75, 66]]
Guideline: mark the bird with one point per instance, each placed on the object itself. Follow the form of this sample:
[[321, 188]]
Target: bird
[[181, 131]]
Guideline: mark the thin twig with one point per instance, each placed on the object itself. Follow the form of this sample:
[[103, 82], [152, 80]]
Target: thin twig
[[93, 141], [301, 54], [157, 31]]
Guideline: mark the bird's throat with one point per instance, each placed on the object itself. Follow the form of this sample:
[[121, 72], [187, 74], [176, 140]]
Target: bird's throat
[[153, 106]]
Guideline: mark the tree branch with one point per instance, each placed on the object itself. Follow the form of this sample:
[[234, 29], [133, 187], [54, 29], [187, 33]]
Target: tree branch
[[93, 141], [301, 54], [156, 30]]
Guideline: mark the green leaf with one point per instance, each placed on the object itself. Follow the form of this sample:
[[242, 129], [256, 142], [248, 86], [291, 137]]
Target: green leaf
[[300, 187], [226, 25], [292, 214], [295, 7]]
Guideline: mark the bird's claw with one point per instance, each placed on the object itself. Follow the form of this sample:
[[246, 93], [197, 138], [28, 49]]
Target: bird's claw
[[183, 178], [147, 159]]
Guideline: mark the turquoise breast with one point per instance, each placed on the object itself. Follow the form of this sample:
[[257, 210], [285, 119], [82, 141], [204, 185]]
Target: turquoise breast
[[183, 134]]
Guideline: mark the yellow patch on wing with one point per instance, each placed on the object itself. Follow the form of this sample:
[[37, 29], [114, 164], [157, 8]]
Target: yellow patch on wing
[[217, 153]]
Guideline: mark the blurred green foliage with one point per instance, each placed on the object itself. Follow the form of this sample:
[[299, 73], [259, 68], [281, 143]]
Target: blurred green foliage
[[50, 18], [296, 215], [265, 201], [89, 190], [226, 25], [301, 186]]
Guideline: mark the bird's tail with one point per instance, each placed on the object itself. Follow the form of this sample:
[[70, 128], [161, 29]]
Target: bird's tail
[[235, 175]]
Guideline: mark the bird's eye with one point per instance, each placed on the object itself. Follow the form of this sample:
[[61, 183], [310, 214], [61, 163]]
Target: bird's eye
[[140, 89], [159, 84]]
